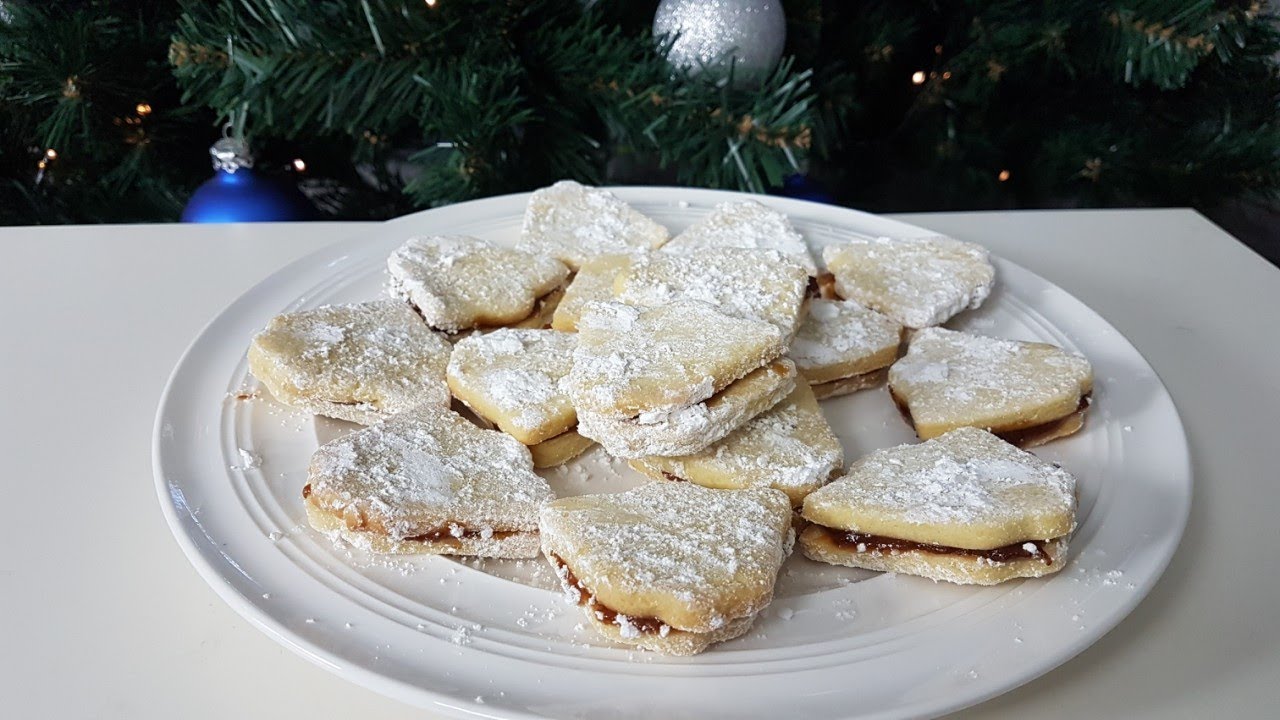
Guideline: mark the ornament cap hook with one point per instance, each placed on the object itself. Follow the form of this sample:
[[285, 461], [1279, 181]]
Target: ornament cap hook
[[230, 154]]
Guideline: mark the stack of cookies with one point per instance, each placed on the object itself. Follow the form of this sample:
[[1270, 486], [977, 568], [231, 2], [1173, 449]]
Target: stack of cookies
[[701, 359]]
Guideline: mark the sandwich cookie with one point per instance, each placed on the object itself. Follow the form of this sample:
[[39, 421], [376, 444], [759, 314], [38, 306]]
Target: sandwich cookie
[[843, 347], [573, 223], [1027, 393], [459, 283], [789, 447], [362, 363], [966, 508], [917, 281], [511, 378], [428, 481], [592, 283], [646, 381], [745, 224], [744, 283], [669, 567]]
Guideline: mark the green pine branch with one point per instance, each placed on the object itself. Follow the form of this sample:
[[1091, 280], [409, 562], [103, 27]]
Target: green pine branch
[[548, 90]]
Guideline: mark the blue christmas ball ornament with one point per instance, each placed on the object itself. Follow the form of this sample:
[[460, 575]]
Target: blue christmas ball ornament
[[802, 187], [236, 194]]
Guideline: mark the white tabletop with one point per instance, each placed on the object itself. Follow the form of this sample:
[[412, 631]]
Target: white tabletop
[[104, 617]]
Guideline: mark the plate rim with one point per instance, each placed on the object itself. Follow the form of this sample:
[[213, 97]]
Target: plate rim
[[452, 705]]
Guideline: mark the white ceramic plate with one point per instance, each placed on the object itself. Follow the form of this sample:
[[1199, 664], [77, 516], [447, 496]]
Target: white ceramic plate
[[495, 639]]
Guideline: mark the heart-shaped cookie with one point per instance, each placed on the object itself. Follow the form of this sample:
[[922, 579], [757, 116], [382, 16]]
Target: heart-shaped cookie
[[428, 481], [632, 360], [917, 281], [670, 567], [966, 507], [1027, 393], [789, 447], [458, 282], [511, 378], [362, 363], [744, 283], [573, 223], [746, 224]]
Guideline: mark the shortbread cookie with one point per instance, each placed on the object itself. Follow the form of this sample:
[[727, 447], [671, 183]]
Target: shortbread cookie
[[428, 481], [592, 283], [543, 311], [966, 507], [842, 347], [790, 448], [511, 378], [692, 428], [1027, 393], [746, 224], [744, 283], [362, 363], [574, 223], [560, 449], [669, 567], [458, 282], [917, 281], [633, 360]]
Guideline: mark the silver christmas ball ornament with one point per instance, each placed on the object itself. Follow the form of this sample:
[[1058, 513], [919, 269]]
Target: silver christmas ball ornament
[[712, 35]]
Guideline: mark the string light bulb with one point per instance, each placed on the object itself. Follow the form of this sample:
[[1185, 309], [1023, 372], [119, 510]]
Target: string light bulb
[[299, 165], [143, 109], [917, 77], [1003, 176], [49, 156], [431, 3]]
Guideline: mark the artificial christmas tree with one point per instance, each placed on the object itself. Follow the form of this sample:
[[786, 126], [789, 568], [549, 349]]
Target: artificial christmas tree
[[107, 106]]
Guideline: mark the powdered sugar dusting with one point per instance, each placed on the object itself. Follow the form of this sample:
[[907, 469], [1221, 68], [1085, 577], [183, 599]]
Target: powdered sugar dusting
[[744, 283], [947, 374], [374, 359], [691, 428], [459, 282], [573, 222], [592, 283], [916, 281], [789, 447], [745, 225], [841, 331], [512, 377], [967, 476], [425, 470], [633, 360], [712, 554]]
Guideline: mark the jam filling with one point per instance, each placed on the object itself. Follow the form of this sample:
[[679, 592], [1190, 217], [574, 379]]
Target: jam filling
[[777, 368], [1013, 437], [455, 533], [814, 290], [646, 625], [458, 533], [861, 542], [673, 478], [1017, 437], [823, 286]]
